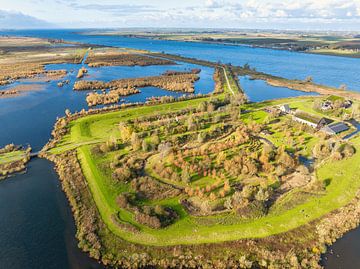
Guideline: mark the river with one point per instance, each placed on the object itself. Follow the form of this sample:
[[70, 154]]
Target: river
[[37, 229]]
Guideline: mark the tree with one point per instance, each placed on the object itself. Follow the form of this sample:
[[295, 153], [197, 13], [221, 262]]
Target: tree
[[343, 87], [220, 159], [235, 113], [246, 66], [165, 149], [238, 99], [125, 132], [247, 192], [185, 175], [145, 145], [135, 141], [210, 107], [201, 137], [227, 186], [262, 195], [155, 139], [264, 157], [212, 196], [202, 107], [111, 143], [67, 112], [191, 123], [309, 79]]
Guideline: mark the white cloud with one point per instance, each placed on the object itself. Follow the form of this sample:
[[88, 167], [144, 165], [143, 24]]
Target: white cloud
[[189, 13], [18, 20]]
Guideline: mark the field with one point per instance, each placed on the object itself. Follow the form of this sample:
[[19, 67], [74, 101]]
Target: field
[[174, 176]]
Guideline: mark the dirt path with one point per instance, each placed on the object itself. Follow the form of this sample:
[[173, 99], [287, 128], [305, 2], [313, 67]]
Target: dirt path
[[228, 82]]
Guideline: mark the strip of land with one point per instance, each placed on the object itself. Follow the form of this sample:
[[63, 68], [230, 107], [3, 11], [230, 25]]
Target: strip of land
[[335, 44]]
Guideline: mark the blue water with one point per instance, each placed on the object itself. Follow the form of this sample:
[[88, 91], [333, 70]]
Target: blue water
[[35, 112], [259, 90], [327, 70], [108, 73]]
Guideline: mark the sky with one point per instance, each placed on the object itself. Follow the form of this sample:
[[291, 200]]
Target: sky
[[260, 14]]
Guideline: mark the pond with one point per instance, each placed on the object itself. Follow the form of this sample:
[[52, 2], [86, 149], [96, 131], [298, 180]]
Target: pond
[[259, 90]]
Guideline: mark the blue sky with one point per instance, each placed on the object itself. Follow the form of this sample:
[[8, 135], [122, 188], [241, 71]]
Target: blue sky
[[274, 14]]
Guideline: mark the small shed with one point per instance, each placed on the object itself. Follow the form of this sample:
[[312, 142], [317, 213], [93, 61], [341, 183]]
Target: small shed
[[335, 128], [323, 122], [285, 108]]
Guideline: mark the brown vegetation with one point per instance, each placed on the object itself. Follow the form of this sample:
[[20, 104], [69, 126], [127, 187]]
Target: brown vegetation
[[219, 79], [13, 166], [111, 97], [174, 73], [113, 58], [81, 73], [182, 82]]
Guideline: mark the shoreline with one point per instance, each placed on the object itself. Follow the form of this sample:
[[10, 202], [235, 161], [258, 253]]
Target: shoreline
[[329, 223], [224, 43]]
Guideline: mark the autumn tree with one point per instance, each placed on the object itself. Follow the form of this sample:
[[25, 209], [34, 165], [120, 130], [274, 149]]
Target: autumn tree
[[135, 141], [125, 131], [309, 79], [145, 145], [185, 175]]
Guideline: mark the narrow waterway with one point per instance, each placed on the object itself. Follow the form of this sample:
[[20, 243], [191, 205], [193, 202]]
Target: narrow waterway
[[37, 228]]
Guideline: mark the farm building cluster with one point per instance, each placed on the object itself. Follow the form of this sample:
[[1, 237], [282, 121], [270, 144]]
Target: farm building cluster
[[323, 124]]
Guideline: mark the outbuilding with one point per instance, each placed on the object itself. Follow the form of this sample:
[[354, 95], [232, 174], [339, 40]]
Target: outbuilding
[[285, 108], [335, 128], [311, 120]]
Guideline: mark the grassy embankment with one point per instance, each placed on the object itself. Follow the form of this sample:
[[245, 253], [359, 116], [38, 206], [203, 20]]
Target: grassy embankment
[[343, 177]]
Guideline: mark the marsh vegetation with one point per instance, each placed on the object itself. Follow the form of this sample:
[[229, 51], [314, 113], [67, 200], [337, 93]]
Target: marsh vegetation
[[13, 159]]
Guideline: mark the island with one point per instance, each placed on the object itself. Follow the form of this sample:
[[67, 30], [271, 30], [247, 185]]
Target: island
[[13, 159], [211, 181]]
